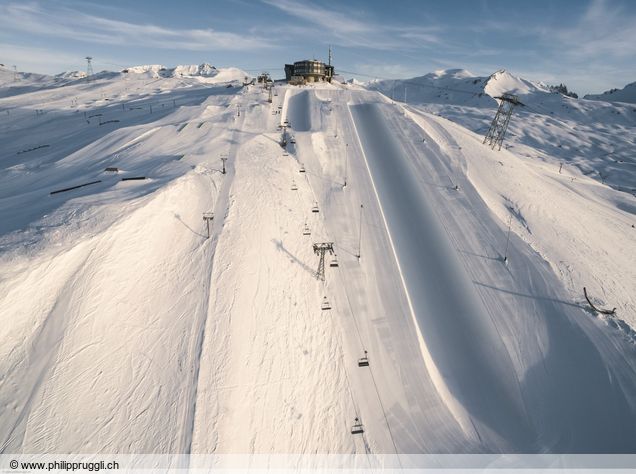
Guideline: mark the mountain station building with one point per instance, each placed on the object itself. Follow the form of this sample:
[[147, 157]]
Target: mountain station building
[[309, 70]]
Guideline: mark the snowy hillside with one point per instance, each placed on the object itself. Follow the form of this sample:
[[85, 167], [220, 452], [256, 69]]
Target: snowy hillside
[[553, 137], [626, 94], [126, 328]]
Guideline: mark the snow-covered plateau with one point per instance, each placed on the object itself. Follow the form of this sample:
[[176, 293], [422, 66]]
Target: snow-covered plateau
[[129, 324]]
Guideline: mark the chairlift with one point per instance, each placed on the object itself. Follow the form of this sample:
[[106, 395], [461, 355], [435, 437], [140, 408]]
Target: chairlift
[[325, 304], [315, 208], [302, 168], [293, 186], [357, 427], [334, 261], [306, 230], [363, 361]]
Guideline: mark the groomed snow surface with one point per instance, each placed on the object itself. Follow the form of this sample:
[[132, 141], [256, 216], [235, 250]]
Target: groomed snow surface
[[124, 328]]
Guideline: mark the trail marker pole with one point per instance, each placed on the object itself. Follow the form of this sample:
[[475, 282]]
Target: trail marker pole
[[207, 217], [360, 233], [346, 164], [505, 259], [223, 159]]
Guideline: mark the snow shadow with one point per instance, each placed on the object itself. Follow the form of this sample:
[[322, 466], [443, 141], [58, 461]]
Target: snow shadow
[[299, 111]]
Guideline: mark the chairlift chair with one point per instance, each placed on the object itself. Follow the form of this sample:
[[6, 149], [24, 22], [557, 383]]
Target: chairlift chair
[[293, 186], [334, 261], [357, 427], [315, 208], [293, 140], [363, 361], [306, 230], [325, 304], [302, 168]]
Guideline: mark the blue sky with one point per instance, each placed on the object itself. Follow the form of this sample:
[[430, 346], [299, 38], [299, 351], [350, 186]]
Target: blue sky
[[590, 44]]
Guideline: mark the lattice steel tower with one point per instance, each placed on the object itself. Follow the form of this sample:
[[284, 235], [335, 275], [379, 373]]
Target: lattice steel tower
[[320, 249], [89, 68], [499, 125]]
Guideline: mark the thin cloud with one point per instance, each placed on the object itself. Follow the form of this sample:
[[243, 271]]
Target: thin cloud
[[66, 23], [605, 30], [342, 28], [27, 57], [386, 71]]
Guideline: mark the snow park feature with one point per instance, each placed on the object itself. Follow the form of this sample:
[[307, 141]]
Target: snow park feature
[[155, 300]]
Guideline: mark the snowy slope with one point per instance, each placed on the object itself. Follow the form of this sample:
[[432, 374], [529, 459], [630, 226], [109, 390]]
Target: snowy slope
[[595, 137], [106, 252], [450, 86], [481, 364], [553, 180], [626, 94], [125, 329]]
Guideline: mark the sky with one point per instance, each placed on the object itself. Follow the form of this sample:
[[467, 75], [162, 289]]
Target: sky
[[590, 45]]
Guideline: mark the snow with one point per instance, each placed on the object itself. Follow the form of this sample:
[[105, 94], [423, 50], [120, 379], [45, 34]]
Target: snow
[[626, 94], [553, 178], [125, 329], [204, 72], [71, 75], [502, 81]]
